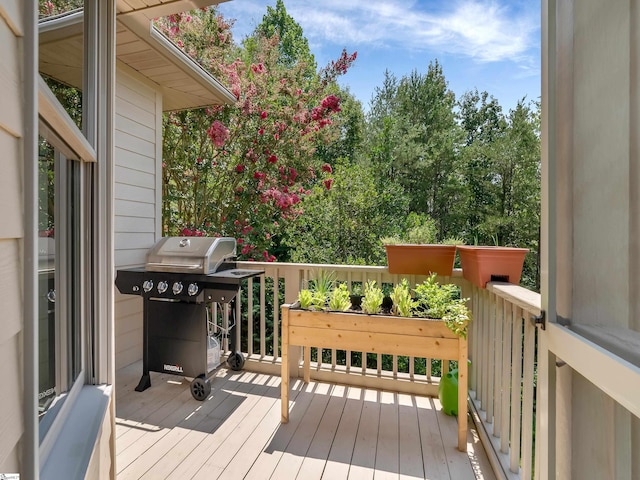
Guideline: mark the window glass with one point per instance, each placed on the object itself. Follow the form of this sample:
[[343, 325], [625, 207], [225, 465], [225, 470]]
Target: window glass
[[61, 52], [46, 278], [59, 275]]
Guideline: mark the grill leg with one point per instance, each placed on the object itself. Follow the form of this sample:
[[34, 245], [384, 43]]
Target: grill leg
[[235, 360], [145, 380], [144, 383]]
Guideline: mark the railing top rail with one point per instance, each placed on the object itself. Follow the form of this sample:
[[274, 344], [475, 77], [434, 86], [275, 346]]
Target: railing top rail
[[528, 300], [326, 266]]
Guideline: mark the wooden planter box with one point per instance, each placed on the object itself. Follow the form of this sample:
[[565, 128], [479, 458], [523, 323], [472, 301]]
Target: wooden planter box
[[419, 337], [484, 264], [408, 259]]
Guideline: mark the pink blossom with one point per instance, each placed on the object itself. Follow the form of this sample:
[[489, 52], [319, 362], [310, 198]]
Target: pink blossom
[[272, 159], [263, 114], [327, 183], [316, 113], [258, 175], [331, 102], [240, 168], [327, 168], [259, 68], [261, 131], [218, 133]]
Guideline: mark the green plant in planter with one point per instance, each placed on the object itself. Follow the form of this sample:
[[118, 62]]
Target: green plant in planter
[[324, 282], [403, 304], [432, 298], [317, 295], [457, 317], [339, 298], [356, 289], [305, 297], [443, 302], [373, 297], [318, 301]]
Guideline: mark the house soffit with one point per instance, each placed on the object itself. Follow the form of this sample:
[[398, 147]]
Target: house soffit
[[183, 82]]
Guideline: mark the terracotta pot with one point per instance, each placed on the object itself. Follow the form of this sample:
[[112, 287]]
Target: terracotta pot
[[407, 259], [485, 264]]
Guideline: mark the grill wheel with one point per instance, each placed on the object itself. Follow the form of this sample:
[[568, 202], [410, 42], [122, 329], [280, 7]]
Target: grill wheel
[[200, 388], [235, 361]]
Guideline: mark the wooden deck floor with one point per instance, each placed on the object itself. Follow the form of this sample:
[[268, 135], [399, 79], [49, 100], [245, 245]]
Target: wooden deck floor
[[334, 432]]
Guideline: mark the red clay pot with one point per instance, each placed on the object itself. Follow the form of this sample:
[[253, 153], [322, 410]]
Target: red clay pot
[[408, 259], [480, 264]]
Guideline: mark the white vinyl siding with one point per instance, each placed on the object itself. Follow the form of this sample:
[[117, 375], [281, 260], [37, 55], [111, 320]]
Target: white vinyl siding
[[11, 233], [137, 200]]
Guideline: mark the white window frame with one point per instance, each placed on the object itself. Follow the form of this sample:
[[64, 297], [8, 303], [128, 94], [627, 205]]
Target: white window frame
[[93, 148]]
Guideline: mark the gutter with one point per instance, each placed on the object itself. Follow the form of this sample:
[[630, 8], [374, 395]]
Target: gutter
[[172, 51]]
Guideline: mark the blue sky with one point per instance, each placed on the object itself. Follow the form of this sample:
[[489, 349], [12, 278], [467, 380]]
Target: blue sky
[[491, 45]]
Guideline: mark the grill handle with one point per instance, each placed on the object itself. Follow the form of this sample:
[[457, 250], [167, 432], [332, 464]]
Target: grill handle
[[172, 267]]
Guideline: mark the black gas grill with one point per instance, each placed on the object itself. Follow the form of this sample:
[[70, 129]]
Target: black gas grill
[[182, 282]]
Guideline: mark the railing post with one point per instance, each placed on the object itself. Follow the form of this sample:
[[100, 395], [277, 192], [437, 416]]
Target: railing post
[[292, 279]]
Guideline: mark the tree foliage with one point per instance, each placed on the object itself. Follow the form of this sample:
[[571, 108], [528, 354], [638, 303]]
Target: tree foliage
[[344, 224], [296, 171], [242, 170]]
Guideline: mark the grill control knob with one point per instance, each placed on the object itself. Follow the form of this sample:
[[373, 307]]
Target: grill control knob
[[177, 288], [192, 289], [162, 286], [147, 285]]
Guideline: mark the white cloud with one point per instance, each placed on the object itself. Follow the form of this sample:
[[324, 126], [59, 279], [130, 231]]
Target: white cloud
[[483, 30]]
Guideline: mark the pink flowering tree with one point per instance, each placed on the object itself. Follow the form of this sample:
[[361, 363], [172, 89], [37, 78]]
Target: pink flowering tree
[[242, 170]]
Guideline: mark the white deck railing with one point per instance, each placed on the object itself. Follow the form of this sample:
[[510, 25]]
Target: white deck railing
[[502, 348], [503, 375]]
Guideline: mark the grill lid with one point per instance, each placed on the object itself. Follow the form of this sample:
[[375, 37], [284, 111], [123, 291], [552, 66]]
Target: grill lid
[[190, 254]]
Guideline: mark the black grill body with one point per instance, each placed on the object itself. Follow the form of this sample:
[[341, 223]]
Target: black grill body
[[176, 309]]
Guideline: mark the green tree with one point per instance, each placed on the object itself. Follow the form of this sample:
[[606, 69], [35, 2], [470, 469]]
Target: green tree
[[414, 140], [292, 44], [344, 224]]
